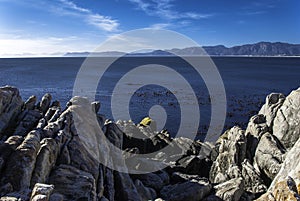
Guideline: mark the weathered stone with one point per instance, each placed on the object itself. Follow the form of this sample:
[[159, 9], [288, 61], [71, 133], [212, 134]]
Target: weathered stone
[[45, 160], [231, 150], [73, 184], [144, 192], [56, 197], [10, 106], [230, 190], [283, 190], [152, 180], [252, 179], [125, 188], [194, 190], [290, 166], [45, 103], [30, 103], [194, 165], [28, 122], [21, 164], [268, 156], [256, 128], [286, 123], [41, 192], [273, 102]]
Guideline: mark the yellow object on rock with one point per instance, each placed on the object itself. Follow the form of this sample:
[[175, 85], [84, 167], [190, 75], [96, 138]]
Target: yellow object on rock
[[146, 121]]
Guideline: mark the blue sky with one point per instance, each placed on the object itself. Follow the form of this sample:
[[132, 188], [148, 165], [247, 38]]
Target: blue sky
[[57, 26]]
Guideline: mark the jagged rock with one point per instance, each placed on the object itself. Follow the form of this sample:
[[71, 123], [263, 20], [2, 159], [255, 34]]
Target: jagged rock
[[286, 123], [10, 106], [290, 167], [30, 103], [282, 190], [28, 122], [257, 126], [87, 128], [7, 148], [109, 188], [72, 183], [45, 103], [194, 190], [21, 164], [41, 192], [144, 192], [125, 188], [96, 106], [56, 197], [231, 190], [45, 161], [156, 181], [252, 179], [178, 177], [231, 149], [268, 156], [8, 198], [273, 102], [194, 165]]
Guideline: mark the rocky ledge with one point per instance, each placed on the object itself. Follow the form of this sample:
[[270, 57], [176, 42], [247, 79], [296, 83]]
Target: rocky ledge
[[47, 153]]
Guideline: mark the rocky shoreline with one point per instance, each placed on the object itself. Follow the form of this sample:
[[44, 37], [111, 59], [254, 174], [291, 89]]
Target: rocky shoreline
[[47, 153]]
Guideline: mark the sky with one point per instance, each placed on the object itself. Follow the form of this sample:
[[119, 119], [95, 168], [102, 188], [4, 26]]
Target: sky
[[53, 27]]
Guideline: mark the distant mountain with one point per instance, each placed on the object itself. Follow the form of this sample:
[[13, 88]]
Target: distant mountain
[[257, 49]]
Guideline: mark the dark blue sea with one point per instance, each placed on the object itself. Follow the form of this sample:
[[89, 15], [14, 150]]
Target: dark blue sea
[[247, 81]]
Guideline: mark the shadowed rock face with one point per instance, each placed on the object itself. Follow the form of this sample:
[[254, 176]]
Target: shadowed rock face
[[47, 153]]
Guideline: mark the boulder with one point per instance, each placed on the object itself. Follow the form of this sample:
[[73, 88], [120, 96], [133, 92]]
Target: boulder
[[231, 149], [231, 190], [72, 183], [41, 192], [10, 107], [19, 168], [285, 189], [45, 161], [286, 123], [268, 157], [257, 126], [273, 102], [194, 190]]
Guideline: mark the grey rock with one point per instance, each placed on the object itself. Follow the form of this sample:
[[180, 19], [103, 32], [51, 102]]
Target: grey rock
[[152, 180], [286, 123], [290, 167], [231, 149], [45, 103], [41, 192], [194, 190], [252, 179], [10, 107], [30, 103], [144, 192], [231, 190], [125, 188], [269, 156], [28, 122], [22, 161], [45, 161], [56, 197], [73, 184], [273, 102], [257, 126]]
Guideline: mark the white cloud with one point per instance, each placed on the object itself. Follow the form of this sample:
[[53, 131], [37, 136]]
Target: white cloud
[[165, 10], [102, 22]]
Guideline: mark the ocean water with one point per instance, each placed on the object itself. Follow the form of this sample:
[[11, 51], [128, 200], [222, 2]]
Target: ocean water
[[247, 81]]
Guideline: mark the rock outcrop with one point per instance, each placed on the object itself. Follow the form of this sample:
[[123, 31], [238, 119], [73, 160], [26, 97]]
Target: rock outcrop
[[48, 153]]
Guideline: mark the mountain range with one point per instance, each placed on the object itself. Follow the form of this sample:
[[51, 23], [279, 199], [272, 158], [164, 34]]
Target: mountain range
[[257, 49]]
